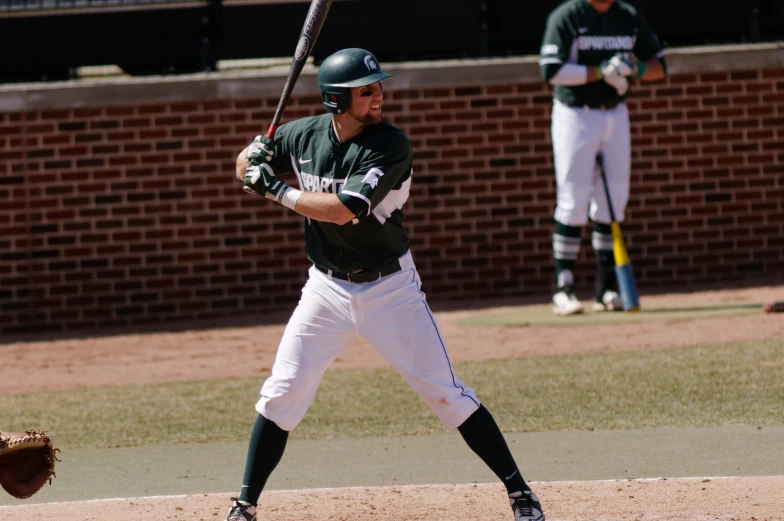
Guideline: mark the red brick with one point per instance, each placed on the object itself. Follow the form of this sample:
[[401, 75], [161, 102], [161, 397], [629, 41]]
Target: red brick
[[120, 111], [531, 87], [515, 101], [759, 87], [655, 105], [685, 103], [700, 90], [729, 88], [744, 75], [713, 77], [200, 119], [184, 107]]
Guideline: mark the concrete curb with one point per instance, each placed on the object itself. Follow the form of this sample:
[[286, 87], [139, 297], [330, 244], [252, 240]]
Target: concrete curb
[[256, 83]]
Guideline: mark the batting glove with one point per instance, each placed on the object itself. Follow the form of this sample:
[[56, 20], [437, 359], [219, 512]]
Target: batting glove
[[261, 150], [621, 65], [260, 179], [614, 78]]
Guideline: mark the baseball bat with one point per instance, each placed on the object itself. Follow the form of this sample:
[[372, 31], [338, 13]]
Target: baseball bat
[[307, 39], [623, 266]]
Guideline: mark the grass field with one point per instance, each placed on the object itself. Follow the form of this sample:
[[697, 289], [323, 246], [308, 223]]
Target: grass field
[[699, 386]]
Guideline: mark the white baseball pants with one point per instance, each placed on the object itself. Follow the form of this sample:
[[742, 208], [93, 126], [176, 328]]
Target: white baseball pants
[[578, 134], [392, 315]]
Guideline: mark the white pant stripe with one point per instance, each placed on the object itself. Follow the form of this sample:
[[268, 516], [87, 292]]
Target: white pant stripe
[[601, 241]]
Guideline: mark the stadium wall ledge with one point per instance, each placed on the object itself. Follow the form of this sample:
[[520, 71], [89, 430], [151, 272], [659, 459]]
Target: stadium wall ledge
[[223, 85]]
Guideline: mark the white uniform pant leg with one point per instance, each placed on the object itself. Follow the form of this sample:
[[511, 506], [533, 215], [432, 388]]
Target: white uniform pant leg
[[616, 150], [576, 135], [395, 319], [318, 330]]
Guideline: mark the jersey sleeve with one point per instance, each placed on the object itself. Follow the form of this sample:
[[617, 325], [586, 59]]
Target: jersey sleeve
[[647, 45], [556, 45], [383, 169]]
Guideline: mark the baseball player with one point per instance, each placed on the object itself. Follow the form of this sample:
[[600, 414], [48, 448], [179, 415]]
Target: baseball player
[[354, 171], [590, 50]]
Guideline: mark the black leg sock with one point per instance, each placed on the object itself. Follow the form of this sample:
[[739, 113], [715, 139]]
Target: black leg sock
[[267, 443], [482, 434]]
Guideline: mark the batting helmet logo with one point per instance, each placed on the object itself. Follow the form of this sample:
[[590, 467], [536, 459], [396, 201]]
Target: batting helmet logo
[[370, 63]]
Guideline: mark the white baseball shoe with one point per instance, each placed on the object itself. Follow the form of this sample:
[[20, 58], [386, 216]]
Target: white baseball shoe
[[565, 302], [526, 506], [611, 301]]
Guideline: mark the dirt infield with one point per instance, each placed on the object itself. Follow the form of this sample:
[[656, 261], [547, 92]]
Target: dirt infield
[[214, 353], [700, 499]]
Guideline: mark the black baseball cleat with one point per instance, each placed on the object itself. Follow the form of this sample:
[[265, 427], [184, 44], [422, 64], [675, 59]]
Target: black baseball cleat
[[525, 506], [241, 511]]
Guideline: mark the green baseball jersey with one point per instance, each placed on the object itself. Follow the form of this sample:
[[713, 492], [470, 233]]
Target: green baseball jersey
[[578, 33], [371, 175]]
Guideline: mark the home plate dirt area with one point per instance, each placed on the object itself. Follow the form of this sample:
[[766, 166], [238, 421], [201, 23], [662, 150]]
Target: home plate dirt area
[[692, 499]]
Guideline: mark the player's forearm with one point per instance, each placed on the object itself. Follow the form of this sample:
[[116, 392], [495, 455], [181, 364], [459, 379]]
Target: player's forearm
[[572, 74], [323, 207], [654, 70]]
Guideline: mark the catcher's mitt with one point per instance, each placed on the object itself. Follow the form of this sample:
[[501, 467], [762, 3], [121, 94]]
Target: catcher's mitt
[[26, 462]]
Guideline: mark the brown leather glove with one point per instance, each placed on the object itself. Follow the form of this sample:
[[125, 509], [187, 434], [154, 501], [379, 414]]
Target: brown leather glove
[[26, 462]]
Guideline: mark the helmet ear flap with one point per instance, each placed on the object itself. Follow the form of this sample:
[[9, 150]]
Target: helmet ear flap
[[336, 100]]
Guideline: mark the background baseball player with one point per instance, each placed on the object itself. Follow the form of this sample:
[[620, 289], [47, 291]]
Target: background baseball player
[[354, 172], [590, 48]]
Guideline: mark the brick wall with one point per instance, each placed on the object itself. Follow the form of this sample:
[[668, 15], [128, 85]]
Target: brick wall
[[112, 215]]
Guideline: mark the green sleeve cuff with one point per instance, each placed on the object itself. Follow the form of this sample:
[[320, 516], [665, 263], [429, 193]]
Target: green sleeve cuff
[[641, 68]]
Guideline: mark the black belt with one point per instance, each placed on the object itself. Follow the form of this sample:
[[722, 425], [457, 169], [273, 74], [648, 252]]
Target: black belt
[[363, 275]]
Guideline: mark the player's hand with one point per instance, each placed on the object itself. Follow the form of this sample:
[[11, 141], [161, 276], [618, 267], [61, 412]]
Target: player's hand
[[620, 65], [260, 179], [618, 82], [261, 150], [614, 78]]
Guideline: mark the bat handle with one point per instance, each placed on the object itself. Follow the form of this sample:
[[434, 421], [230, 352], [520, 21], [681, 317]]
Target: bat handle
[[271, 131]]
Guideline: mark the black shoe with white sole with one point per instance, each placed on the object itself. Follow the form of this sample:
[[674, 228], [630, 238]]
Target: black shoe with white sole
[[526, 506]]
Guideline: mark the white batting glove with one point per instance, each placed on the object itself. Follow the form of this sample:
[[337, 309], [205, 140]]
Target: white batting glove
[[614, 78], [618, 82], [261, 150], [620, 65]]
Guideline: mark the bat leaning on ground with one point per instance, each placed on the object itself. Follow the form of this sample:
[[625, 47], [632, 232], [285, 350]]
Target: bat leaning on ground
[[623, 266], [307, 39]]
